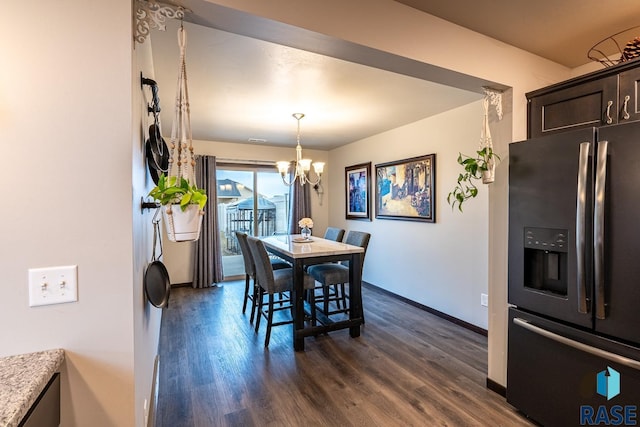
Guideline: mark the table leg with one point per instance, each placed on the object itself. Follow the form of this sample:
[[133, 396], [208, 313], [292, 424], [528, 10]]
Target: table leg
[[298, 304], [355, 292]]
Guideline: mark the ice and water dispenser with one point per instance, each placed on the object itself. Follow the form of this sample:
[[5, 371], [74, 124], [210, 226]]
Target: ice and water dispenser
[[545, 260]]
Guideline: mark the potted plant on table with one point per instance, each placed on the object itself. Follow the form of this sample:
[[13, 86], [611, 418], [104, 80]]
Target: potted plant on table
[[480, 167], [182, 207]]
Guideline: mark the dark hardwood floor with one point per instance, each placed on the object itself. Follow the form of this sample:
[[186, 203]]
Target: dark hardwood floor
[[408, 368]]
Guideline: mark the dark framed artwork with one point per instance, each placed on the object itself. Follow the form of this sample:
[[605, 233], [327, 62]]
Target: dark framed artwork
[[358, 190], [405, 189]]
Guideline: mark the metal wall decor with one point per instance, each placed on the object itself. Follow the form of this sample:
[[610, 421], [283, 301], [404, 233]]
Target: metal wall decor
[[152, 15]]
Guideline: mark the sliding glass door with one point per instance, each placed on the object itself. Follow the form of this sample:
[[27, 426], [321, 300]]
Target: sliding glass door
[[253, 200]]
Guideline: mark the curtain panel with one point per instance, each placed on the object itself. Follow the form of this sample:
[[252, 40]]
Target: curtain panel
[[207, 260]]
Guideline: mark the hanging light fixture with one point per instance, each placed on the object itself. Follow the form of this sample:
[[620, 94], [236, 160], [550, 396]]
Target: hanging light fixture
[[302, 166]]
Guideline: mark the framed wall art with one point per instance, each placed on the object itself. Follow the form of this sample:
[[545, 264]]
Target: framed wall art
[[405, 189], [358, 190]]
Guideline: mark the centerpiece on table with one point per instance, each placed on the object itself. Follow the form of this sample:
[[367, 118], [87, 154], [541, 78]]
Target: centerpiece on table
[[306, 224]]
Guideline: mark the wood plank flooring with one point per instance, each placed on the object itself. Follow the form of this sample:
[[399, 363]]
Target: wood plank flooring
[[408, 368]]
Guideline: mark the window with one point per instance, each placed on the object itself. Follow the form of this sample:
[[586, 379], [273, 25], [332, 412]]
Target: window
[[240, 210]]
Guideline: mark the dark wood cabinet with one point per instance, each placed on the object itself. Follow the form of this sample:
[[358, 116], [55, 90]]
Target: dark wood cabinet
[[597, 99], [45, 412], [629, 99]]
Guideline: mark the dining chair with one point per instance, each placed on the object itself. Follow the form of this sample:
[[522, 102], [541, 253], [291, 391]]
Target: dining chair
[[272, 282], [337, 274], [334, 233], [249, 269]]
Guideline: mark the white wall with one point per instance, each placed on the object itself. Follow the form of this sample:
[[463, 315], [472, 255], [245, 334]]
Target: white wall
[[66, 125], [444, 264], [146, 318]]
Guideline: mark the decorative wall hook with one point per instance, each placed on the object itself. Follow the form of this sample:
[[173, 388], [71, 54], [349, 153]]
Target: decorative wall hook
[[154, 106], [152, 15]]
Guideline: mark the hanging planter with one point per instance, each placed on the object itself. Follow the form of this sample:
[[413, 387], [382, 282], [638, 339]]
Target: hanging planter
[[182, 207], [482, 166], [182, 201], [182, 226], [489, 175]]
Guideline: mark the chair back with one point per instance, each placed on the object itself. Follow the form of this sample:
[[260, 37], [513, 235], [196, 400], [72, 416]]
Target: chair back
[[358, 238], [246, 253], [262, 264], [334, 233]]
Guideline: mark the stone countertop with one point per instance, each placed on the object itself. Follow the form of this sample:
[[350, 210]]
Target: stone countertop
[[22, 379]]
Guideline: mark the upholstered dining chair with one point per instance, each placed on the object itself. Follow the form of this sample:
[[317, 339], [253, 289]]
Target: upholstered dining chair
[[270, 283], [250, 292], [337, 274], [334, 233]]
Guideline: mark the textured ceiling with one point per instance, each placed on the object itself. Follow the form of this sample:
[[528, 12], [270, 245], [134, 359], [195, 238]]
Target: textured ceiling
[[560, 30], [242, 88]]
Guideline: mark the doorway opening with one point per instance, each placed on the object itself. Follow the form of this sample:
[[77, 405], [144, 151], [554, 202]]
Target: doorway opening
[[254, 200]]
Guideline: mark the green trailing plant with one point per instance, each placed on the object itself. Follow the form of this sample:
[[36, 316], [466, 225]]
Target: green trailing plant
[[174, 190], [473, 168]]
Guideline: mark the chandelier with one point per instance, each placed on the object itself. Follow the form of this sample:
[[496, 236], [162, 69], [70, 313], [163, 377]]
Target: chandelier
[[302, 166]]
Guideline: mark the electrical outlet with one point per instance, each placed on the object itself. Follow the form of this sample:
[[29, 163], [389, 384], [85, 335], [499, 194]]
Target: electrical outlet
[[53, 285], [484, 300]]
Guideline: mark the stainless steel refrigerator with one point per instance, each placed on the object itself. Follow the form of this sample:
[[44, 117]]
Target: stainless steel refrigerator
[[574, 276]]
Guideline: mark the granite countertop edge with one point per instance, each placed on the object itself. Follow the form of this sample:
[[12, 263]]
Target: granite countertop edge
[[22, 379]]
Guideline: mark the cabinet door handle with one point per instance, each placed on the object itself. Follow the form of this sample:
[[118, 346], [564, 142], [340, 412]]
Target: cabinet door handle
[[609, 119], [625, 112]]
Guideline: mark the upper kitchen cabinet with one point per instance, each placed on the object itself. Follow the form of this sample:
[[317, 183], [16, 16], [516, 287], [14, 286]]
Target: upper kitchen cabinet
[[597, 99]]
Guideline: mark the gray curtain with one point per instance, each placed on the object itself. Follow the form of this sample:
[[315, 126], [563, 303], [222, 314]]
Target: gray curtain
[[299, 205], [207, 262]]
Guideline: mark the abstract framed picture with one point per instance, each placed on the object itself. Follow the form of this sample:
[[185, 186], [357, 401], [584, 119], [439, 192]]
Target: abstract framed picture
[[358, 190], [405, 189]]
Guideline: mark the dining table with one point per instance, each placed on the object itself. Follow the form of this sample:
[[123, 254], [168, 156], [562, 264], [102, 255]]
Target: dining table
[[316, 250]]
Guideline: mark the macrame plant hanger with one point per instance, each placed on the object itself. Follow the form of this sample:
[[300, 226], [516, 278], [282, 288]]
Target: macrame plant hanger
[[181, 158], [491, 97]]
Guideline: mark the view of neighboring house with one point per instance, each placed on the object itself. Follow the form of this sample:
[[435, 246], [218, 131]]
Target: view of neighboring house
[[236, 207]]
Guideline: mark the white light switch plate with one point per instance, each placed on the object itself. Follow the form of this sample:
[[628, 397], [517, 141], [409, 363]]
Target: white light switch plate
[[53, 285]]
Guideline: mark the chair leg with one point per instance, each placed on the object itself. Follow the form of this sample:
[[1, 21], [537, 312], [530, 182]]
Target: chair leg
[[259, 312], [254, 302], [342, 296], [325, 299], [311, 298], [246, 293], [361, 307], [336, 291], [269, 321]]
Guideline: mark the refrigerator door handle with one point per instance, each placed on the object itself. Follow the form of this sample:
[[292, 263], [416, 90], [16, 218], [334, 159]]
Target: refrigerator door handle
[[598, 227], [634, 364], [581, 225]]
